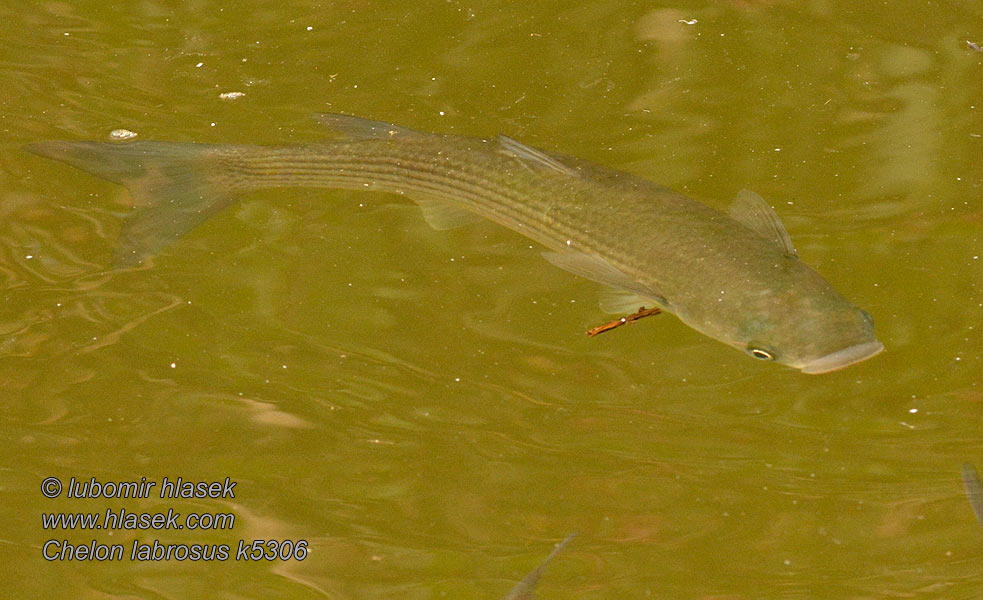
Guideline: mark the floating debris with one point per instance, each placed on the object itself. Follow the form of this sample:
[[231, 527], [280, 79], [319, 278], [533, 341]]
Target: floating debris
[[973, 46], [231, 95], [122, 134]]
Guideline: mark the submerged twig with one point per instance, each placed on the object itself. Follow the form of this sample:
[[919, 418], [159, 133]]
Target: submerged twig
[[640, 313], [973, 46]]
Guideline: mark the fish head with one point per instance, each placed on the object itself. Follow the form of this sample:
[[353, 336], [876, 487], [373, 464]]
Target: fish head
[[803, 323]]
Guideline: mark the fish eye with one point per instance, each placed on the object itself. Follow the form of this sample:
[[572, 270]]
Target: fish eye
[[760, 353]]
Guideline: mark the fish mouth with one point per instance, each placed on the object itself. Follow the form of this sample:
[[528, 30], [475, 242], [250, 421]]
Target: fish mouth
[[842, 358]]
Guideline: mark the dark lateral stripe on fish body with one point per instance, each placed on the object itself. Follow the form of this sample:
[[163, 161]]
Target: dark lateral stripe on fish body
[[450, 180]]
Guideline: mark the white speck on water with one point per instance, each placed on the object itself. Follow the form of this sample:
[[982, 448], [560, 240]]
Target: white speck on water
[[213, 124], [29, 256], [199, 65], [173, 365], [122, 134], [778, 149], [231, 95], [688, 21], [309, 28], [569, 242], [441, 113], [913, 410]]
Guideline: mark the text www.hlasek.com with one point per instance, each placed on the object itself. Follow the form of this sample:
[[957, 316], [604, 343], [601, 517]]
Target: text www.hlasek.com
[[119, 519], [124, 520]]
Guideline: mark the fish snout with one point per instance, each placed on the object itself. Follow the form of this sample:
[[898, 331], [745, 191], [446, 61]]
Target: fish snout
[[842, 358]]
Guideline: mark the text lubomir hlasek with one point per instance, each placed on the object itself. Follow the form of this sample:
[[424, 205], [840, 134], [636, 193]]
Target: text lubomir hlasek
[[169, 488]]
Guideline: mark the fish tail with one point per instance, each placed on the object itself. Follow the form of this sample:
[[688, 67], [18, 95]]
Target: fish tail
[[174, 186]]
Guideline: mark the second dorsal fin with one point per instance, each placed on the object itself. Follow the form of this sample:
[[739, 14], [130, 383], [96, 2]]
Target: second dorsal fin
[[532, 156], [357, 128]]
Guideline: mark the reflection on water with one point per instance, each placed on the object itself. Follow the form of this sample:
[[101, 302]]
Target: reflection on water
[[424, 406]]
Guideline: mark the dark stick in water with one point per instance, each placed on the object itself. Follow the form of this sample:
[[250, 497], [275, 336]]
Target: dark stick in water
[[640, 313], [524, 589]]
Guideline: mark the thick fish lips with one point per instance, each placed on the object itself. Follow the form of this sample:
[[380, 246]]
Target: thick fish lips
[[842, 358]]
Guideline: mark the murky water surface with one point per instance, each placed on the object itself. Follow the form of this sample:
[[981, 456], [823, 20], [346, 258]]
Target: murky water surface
[[423, 407]]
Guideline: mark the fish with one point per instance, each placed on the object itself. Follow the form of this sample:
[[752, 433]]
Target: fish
[[974, 490], [733, 276], [524, 590]]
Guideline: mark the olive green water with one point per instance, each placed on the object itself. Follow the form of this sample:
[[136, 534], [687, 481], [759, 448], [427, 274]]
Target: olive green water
[[423, 407]]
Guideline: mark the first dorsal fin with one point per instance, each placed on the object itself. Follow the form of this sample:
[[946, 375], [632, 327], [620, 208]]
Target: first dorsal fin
[[533, 156], [753, 212], [357, 128]]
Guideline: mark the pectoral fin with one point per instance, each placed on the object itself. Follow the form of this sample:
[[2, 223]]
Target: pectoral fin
[[620, 302], [753, 212], [599, 270]]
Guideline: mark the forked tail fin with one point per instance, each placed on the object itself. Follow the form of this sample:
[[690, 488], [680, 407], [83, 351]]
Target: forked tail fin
[[175, 187]]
